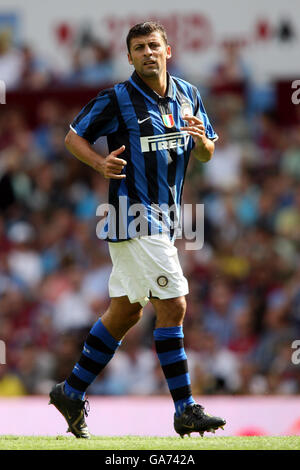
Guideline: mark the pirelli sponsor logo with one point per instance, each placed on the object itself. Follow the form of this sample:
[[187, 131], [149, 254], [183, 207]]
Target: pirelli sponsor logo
[[164, 141]]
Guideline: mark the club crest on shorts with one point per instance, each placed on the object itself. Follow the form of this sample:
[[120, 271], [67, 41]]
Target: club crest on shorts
[[186, 109], [168, 120], [162, 281]]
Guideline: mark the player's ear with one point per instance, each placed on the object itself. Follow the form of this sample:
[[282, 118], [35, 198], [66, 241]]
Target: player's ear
[[129, 58], [169, 52]]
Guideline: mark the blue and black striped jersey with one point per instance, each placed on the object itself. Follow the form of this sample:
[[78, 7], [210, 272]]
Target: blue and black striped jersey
[[148, 200]]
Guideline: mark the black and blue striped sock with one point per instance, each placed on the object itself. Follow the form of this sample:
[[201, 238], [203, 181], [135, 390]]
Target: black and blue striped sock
[[173, 360], [98, 350]]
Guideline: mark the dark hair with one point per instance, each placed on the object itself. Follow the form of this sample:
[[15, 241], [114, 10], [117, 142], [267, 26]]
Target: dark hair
[[144, 29]]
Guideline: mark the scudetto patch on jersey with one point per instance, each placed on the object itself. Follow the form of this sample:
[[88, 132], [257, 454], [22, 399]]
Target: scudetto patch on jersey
[[168, 120]]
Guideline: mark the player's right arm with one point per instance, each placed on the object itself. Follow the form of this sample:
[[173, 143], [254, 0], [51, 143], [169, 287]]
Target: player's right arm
[[110, 166], [97, 118]]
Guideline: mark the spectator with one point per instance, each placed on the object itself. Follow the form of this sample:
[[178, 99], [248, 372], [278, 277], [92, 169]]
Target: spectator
[[226, 172], [71, 311], [11, 61]]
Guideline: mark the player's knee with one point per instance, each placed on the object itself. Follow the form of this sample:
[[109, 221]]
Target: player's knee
[[134, 314], [179, 308], [170, 312]]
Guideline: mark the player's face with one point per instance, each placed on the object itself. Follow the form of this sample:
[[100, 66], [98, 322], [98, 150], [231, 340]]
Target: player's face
[[149, 54]]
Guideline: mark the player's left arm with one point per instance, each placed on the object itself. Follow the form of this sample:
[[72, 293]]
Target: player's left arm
[[204, 147]]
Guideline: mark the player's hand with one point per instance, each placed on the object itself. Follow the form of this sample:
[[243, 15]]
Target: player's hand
[[196, 129], [113, 165]]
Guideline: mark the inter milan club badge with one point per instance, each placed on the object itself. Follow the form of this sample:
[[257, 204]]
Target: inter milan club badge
[[162, 281], [168, 120], [186, 109]]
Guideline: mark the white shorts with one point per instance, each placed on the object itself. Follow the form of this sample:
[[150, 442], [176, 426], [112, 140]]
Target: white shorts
[[146, 267]]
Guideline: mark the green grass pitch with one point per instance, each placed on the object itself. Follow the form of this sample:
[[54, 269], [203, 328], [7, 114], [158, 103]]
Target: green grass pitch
[[149, 443]]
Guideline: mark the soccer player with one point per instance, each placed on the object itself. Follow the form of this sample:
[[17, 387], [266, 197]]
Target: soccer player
[[153, 123]]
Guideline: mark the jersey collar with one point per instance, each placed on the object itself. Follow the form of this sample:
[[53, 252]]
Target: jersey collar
[[154, 97]]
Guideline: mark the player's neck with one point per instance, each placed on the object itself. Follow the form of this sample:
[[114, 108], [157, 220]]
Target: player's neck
[[158, 84]]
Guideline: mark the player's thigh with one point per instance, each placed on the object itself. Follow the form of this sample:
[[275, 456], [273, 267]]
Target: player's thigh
[[169, 312]]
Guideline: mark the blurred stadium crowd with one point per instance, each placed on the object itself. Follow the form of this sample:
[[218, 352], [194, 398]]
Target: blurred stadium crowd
[[244, 304]]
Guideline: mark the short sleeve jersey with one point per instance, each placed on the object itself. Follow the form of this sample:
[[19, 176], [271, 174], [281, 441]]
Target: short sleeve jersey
[[148, 200]]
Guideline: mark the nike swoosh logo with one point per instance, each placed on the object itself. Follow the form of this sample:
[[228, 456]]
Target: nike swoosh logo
[[189, 427], [140, 121]]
